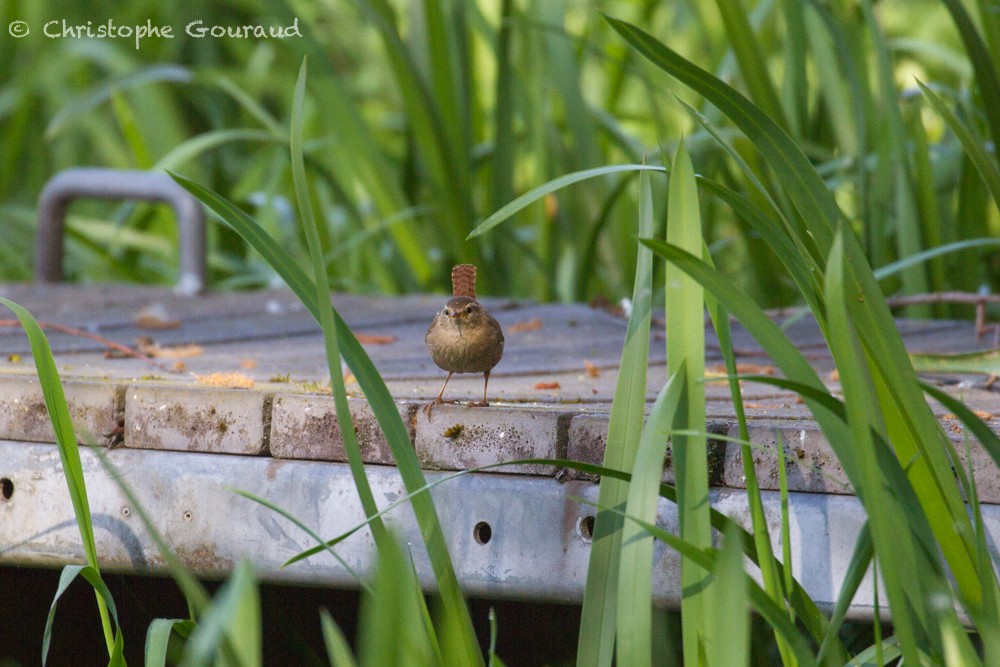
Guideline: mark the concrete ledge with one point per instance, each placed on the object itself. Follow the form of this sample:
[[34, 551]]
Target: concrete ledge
[[213, 420], [810, 463], [456, 437], [304, 426], [812, 466], [95, 408], [588, 434]]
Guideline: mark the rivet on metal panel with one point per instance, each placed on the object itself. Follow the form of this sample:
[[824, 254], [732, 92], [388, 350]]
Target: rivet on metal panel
[[95, 183]]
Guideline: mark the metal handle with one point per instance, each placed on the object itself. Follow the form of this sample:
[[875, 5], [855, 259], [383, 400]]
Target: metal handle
[[95, 183]]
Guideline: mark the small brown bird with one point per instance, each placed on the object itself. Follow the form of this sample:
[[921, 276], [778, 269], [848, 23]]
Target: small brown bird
[[464, 337]]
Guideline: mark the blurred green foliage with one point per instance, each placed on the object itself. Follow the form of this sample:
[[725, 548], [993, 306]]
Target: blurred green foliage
[[428, 116]]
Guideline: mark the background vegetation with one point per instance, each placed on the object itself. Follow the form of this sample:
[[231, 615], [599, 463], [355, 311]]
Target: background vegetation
[[830, 138], [426, 117]]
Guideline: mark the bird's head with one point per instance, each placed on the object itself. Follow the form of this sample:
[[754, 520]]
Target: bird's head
[[462, 311]]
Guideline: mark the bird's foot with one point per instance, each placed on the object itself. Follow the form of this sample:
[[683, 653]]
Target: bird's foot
[[428, 407], [478, 404]]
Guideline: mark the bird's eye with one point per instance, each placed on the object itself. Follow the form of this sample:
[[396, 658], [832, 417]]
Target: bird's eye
[[447, 311], [469, 308]]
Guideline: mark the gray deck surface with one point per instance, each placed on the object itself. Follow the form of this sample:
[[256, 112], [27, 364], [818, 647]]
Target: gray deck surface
[[545, 404]]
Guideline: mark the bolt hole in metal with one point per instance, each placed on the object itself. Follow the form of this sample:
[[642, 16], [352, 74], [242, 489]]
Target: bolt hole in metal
[[187, 515], [482, 532], [126, 512], [6, 488], [585, 528]]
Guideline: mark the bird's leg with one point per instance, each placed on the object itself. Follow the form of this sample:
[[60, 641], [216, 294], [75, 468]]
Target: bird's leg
[[438, 400], [483, 403]]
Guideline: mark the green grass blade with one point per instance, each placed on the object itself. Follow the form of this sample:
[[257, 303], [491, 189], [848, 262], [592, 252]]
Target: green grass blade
[[774, 614], [907, 558], [361, 157], [773, 582], [685, 347], [986, 362], [157, 651], [93, 577], [76, 108], [805, 188], [371, 384], [437, 148], [309, 531], [245, 101], [456, 610], [839, 78], [932, 253], [753, 65], [65, 437], [234, 617], [784, 246], [862, 417], [635, 578], [598, 621], [785, 355], [892, 177], [535, 194], [196, 146], [982, 63], [928, 201], [913, 430], [338, 651], [795, 89], [980, 429], [985, 164], [494, 659], [131, 131], [860, 561], [390, 627], [331, 346], [729, 632]]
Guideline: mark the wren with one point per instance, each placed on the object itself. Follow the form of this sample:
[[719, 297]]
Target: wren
[[464, 337]]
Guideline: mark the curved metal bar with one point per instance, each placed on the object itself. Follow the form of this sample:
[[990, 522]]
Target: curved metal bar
[[96, 183]]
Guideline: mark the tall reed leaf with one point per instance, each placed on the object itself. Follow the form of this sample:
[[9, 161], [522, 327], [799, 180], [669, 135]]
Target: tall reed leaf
[[862, 418], [912, 429], [750, 58], [93, 577], [309, 226], [338, 650], [375, 391], [775, 586], [685, 332], [635, 577], [69, 451], [728, 634], [805, 188], [982, 62], [598, 622], [975, 151], [234, 619], [535, 194]]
